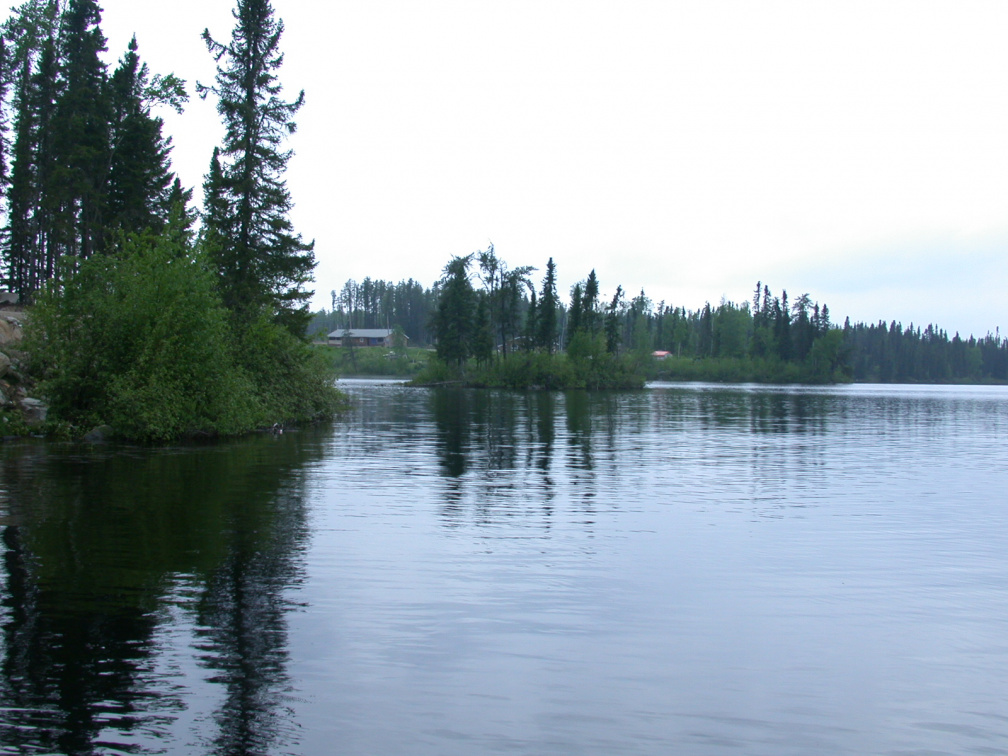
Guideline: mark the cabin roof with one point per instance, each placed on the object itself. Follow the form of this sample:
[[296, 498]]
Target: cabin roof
[[362, 333]]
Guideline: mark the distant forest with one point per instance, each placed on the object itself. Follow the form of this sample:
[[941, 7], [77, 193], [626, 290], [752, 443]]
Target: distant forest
[[769, 329]]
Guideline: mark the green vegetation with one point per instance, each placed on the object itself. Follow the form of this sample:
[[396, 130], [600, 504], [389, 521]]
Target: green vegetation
[[507, 334], [262, 263], [540, 370], [403, 362], [136, 325], [138, 339], [467, 320]]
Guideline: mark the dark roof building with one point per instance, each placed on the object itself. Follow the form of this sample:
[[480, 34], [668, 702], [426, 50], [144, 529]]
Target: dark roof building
[[364, 337]]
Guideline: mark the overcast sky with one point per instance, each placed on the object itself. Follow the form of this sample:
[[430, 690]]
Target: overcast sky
[[854, 151]]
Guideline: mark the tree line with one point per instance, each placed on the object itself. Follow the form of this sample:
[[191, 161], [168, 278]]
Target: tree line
[[481, 310], [85, 158], [379, 304]]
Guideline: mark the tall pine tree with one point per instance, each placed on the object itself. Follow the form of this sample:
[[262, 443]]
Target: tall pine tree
[[548, 303], [140, 191], [81, 134], [263, 264], [32, 64]]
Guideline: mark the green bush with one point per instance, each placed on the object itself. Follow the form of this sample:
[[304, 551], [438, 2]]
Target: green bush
[[589, 369], [292, 380], [139, 340], [404, 362]]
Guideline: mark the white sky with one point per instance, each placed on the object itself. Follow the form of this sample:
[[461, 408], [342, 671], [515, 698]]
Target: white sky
[[857, 151]]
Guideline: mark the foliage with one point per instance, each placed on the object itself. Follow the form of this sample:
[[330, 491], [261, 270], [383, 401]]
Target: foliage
[[732, 370], [546, 325], [291, 380], [262, 263], [138, 339], [594, 368], [892, 353], [768, 340], [453, 321], [436, 372], [505, 289], [374, 361], [140, 187], [88, 158]]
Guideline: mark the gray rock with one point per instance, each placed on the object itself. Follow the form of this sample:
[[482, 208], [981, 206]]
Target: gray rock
[[10, 330], [34, 410], [5, 364]]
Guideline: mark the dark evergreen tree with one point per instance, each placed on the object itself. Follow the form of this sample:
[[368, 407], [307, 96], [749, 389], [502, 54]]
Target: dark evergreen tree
[[454, 318], [532, 315], [803, 329], [705, 332], [81, 134], [483, 335], [546, 325], [264, 265], [140, 191], [180, 211], [590, 304], [574, 314], [20, 250], [5, 81], [32, 67], [84, 146], [612, 322], [782, 327], [218, 220]]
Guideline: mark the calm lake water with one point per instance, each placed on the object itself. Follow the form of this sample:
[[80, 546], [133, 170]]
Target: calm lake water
[[688, 569]]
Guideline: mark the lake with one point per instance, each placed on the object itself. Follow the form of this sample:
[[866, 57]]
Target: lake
[[691, 569]]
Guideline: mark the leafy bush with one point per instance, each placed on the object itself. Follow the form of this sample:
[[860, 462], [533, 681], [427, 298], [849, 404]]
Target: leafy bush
[[139, 339], [292, 381]]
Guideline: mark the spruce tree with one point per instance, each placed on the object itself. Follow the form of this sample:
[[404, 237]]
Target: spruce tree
[[263, 264], [531, 337], [5, 80], [32, 68], [590, 304], [20, 258], [574, 319], [612, 331], [453, 320], [548, 303], [81, 134], [140, 192]]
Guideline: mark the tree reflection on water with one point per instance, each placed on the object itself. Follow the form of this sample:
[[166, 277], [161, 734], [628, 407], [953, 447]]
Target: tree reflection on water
[[94, 544]]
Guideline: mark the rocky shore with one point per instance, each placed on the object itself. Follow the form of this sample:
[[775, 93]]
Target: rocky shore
[[19, 410]]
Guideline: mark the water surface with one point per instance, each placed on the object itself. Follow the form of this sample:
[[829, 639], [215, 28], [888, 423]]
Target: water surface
[[687, 569]]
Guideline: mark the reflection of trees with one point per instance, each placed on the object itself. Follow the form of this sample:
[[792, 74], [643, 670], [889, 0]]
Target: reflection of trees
[[487, 443], [497, 450], [787, 412], [579, 428], [541, 413], [451, 409], [244, 632], [93, 543]]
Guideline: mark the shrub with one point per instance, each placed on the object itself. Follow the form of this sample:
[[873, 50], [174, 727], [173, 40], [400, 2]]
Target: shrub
[[138, 339]]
